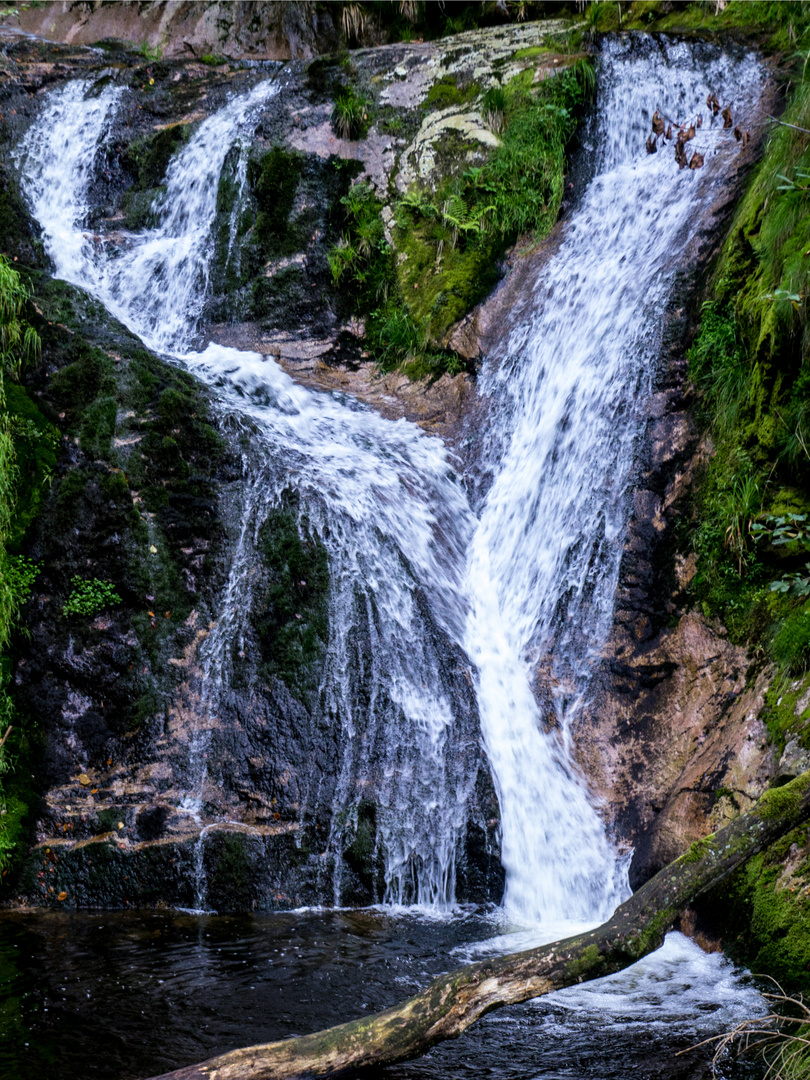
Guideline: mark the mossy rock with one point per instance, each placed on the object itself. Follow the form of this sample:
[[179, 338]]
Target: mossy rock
[[291, 611]]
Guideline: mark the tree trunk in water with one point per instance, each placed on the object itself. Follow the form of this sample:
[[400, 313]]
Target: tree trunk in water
[[454, 1001]]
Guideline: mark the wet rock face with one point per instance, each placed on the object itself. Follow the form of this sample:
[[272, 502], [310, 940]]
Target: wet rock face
[[145, 497]]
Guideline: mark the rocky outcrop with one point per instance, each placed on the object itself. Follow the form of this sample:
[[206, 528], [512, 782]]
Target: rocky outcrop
[[181, 28], [146, 494]]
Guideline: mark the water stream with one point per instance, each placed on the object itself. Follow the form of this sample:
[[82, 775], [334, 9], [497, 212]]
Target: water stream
[[517, 563]]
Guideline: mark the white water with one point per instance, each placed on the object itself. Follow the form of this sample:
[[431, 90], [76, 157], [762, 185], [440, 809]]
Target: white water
[[571, 396], [527, 586], [382, 496]]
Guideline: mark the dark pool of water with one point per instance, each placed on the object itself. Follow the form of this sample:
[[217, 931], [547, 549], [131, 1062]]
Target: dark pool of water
[[124, 996]]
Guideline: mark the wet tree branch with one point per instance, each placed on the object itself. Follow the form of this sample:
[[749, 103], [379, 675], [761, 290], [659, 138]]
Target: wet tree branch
[[452, 1002]]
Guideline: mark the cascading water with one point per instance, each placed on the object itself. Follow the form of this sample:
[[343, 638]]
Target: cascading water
[[526, 588], [381, 495], [570, 402]]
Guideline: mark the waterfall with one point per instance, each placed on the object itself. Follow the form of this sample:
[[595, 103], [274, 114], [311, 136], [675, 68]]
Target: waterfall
[[571, 396], [383, 498], [523, 580]]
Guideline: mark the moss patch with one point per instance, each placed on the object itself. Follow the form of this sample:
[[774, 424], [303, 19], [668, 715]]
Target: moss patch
[[763, 911], [291, 616]]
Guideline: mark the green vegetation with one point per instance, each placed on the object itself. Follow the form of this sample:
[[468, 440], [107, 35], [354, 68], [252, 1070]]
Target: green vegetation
[[274, 180], [751, 362], [89, 596], [351, 115], [453, 239], [448, 243], [446, 92], [292, 623], [764, 911], [19, 345]]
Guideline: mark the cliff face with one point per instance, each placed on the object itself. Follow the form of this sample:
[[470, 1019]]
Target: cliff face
[[179, 28], [146, 491], [690, 723]]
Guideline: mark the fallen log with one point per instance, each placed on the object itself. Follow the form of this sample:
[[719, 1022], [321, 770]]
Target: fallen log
[[454, 1001]]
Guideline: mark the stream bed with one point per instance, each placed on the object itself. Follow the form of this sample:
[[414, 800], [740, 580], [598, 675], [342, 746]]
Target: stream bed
[[123, 996]]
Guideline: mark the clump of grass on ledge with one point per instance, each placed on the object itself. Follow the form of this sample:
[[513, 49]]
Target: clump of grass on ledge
[[350, 114]]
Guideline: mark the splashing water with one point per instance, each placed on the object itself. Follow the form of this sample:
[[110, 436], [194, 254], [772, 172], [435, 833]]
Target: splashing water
[[381, 496], [572, 392], [527, 589]]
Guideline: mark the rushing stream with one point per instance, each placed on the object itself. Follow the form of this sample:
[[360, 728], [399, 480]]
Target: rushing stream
[[519, 576]]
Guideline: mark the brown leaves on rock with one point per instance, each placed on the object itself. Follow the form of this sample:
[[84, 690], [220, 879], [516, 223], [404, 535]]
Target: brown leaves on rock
[[688, 130]]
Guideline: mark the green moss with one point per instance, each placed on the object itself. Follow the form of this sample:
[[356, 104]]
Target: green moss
[[148, 158], [586, 964], [140, 208], [763, 911], [446, 92], [782, 715], [696, 851], [274, 180], [80, 383], [292, 619], [781, 801]]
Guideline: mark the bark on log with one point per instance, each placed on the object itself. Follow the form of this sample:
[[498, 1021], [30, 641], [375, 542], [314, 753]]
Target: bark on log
[[454, 1001]]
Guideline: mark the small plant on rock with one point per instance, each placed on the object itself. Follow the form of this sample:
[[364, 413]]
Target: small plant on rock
[[350, 115], [89, 596]]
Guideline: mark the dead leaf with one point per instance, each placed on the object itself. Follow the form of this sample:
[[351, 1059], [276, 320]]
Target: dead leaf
[[727, 121], [669, 132], [652, 144], [658, 123], [690, 133], [715, 105], [737, 133], [84, 779], [696, 161], [680, 154], [62, 896]]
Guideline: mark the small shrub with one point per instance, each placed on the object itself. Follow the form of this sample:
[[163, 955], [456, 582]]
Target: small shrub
[[89, 596], [494, 106], [350, 115]]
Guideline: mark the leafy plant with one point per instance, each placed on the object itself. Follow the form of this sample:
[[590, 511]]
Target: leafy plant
[[494, 105], [19, 342], [719, 365], [89, 596], [737, 506], [350, 114]]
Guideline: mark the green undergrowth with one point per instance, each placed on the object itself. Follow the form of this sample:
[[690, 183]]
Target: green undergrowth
[[452, 239], [447, 244], [777, 24], [751, 363]]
